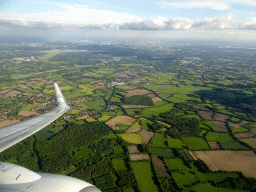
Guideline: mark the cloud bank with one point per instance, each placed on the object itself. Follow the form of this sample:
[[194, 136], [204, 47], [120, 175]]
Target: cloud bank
[[80, 16], [198, 4]]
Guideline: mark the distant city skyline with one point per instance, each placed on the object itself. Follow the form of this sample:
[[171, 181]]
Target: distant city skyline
[[233, 19]]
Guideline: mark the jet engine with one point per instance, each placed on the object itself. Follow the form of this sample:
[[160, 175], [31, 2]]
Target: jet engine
[[14, 178]]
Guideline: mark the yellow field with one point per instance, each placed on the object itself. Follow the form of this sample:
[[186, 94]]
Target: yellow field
[[65, 88], [86, 89], [136, 125], [131, 138], [90, 119]]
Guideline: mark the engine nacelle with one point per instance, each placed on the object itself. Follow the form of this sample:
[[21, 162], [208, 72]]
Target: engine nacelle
[[14, 178]]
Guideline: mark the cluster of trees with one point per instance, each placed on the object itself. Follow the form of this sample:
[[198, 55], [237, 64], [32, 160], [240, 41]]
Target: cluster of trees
[[168, 184], [181, 127], [239, 183], [139, 100], [79, 145]]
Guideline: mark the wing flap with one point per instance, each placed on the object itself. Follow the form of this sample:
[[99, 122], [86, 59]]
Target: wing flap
[[13, 134]]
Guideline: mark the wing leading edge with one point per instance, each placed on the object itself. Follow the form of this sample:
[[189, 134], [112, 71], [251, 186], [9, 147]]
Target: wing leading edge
[[13, 134]]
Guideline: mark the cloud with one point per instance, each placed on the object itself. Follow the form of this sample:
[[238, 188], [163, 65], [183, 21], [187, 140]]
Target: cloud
[[220, 5], [80, 16], [228, 22]]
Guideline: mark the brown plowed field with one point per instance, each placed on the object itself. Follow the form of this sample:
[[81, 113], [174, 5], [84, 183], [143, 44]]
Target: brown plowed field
[[146, 136], [214, 145], [204, 112], [243, 135], [13, 93], [237, 125], [242, 161], [137, 157], [221, 126], [8, 122], [137, 92], [32, 82], [27, 113], [160, 167], [133, 130], [201, 107], [4, 91], [221, 117], [120, 120], [208, 115], [250, 141], [82, 117], [156, 99], [134, 149], [134, 106]]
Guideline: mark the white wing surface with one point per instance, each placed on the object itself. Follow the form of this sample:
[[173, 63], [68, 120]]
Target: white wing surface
[[13, 134]]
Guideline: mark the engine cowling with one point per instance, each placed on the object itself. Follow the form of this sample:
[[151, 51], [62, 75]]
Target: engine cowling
[[14, 178]]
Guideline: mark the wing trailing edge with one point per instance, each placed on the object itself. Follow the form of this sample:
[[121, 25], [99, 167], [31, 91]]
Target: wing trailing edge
[[13, 134]]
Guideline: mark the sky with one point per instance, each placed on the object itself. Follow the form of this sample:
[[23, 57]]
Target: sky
[[199, 19]]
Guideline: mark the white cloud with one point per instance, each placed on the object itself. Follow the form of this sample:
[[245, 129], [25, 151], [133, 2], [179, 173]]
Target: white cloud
[[217, 4], [80, 16], [220, 5], [228, 22]]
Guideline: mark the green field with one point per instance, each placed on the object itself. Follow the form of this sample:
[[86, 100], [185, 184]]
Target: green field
[[118, 149], [143, 175], [195, 143], [119, 164], [29, 106], [95, 104], [184, 178], [235, 120], [90, 119], [132, 112], [131, 138], [175, 164], [239, 130], [203, 187], [158, 141], [123, 126], [225, 140], [162, 78], [104, 118], [210, 124], [145, 123], [181, 89], [136, 125], [86, 89], [73, 112], [148, 112], [166, 153], [175, 143]]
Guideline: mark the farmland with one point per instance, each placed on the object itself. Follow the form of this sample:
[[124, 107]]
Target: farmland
[[143, 174], [141, 116], [243, 161], [195, 143], [131, 138]]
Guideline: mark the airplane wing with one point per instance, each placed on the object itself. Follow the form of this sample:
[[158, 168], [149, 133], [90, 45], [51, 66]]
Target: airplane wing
[[13, 134]]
